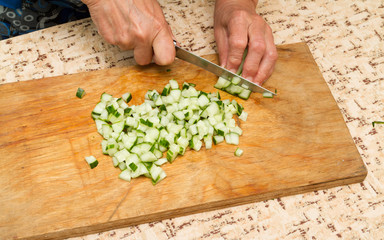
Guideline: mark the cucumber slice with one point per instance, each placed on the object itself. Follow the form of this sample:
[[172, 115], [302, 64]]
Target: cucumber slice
[[92, 161], [166, 90], [127, 97], [232, 138], [245, 94], [267, 95], [222, 83], [80, 93], [239, 152], [125, 175], [105, 97]]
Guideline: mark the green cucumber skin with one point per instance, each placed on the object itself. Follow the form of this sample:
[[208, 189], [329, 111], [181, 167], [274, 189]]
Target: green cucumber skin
[[94, 164], [80, 93]]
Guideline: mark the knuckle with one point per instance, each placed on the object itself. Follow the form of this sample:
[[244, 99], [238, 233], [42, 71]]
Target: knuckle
[[234, 60], [273, 55], [123, 40], [258, 46], [238, 43], [141, 36], [251, 69]]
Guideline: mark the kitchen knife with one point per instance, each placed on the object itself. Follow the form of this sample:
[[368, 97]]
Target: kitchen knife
[[216, 69]]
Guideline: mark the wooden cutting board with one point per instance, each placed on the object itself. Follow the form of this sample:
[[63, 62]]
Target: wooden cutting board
[[293, 143]]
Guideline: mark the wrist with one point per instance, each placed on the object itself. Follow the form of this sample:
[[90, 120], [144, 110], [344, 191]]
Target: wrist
[[235, 4]]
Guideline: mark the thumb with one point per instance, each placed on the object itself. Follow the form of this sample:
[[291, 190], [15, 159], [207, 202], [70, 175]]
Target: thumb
[[163, 47]]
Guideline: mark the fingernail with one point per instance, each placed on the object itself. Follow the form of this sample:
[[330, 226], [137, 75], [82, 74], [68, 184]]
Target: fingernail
[[232, 70]]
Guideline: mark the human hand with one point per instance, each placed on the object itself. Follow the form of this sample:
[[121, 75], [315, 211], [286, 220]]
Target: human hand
[[137, 25], [238, 26]]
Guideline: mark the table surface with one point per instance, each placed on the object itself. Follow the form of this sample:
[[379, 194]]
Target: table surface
[[346, 39]]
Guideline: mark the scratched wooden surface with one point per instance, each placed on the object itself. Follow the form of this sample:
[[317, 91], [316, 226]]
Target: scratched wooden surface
[[346, 40]]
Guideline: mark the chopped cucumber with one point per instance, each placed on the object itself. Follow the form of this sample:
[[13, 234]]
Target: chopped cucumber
[[125, 175], [243, 116], [127, 97], [140, 139], [92, 161], [267, 95], [239, 152], [222, 83], [245, 94], [232, 85], [80, 93]]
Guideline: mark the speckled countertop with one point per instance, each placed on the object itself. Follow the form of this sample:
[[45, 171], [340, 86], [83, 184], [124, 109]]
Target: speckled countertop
[[346, 40]]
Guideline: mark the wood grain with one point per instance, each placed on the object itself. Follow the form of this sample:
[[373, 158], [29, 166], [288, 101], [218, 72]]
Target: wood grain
[[293, 143]]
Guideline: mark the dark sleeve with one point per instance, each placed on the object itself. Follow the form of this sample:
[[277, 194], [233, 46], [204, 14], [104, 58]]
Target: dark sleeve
[[14, 4]]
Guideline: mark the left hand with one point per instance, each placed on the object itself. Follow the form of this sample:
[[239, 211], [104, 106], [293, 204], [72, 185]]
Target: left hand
[[238, 26], [135, 24]]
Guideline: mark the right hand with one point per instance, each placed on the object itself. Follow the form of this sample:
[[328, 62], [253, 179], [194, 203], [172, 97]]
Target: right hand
[[135, 24]]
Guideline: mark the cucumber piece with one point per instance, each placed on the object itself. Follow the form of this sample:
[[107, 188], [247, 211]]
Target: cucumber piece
[[125, 175], [222, 83], [245, 94], [267, 95], [80, 93], [166, 90], [127, 97], [148, 157], [105, 97], [160, 161], [92, 161], [235, 80], [232, 138], [173, 83], [243, 116], [234, 89], [217, 139], [239, 152]]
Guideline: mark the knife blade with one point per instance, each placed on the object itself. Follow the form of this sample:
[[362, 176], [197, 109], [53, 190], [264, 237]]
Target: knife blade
[[216, 69]]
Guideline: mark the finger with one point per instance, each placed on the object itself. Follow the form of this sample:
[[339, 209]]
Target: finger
[[256, 50], [269, 59], [222, 45], [237, 42], [163, 47], [143, 54]]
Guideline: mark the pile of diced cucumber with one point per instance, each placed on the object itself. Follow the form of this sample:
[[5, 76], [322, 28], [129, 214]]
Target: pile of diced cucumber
[[166, 124]]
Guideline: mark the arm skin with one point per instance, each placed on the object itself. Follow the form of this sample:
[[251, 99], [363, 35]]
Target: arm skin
[[237, 26], [135, 24]]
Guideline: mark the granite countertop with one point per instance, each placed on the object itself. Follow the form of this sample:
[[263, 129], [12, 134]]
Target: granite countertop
[[346, 39]]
